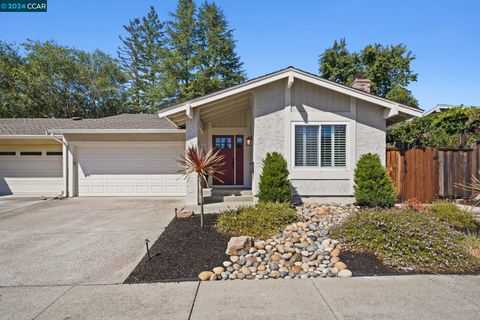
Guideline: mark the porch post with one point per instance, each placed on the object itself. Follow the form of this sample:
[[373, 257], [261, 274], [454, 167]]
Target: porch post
[[192, 139], [72, 170], [65, 156]]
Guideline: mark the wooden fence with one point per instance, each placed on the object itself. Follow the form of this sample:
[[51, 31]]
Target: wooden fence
[[428, 174]]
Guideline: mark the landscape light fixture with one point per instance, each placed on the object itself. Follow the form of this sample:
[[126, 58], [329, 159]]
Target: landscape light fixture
[[148, 249]]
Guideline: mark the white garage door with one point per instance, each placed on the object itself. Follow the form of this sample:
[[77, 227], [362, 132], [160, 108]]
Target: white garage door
[[31, 172], [130, 169]]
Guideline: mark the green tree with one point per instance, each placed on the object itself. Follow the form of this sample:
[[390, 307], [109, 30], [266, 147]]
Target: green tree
[[50, 80], [219, 66], [338, 64], [373, 186], [387, 67], [181, 62], [11, 100], [142, 58], [402, 95], [274, 185], [103, 85]]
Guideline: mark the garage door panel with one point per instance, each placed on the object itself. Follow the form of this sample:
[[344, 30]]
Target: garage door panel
[[20, 167], [31, 175], [130, 170]]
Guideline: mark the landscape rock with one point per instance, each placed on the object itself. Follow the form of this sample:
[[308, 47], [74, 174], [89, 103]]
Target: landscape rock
[[335, 252], [205, 275], [345, 273], [218, 270], [301, 250], [340, 265], [184, 214], [239, 245], [245, 271]]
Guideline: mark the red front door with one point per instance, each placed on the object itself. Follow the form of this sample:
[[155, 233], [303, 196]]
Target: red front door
[[226, 145]]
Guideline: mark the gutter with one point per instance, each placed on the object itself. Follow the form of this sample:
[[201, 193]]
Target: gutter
[[65, 152], [106, 131], [24, 136]]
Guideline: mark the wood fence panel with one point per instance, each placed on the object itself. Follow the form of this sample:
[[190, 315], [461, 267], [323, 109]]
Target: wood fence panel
[[414, 173], [426, 174]]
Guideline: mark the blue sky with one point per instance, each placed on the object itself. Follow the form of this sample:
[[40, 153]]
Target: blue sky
[[444, 35]]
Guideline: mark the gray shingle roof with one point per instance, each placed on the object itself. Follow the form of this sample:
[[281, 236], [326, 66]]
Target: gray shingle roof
[[38, 126]]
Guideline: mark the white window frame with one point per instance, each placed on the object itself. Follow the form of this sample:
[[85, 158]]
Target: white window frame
[[319, 124]]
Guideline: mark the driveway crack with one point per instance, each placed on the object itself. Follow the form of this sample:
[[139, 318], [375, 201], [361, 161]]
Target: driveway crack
[[450, 289], [38, 315], [193, 302], [325, 300]]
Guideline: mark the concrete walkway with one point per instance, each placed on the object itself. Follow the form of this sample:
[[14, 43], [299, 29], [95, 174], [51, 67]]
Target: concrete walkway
[[400, 297]]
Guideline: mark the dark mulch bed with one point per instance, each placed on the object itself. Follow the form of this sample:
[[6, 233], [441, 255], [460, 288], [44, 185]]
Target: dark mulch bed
[[182, 251], [367, 264], [363, 264]]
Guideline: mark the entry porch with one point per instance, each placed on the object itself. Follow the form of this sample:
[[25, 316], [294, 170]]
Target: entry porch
[[225, 125]]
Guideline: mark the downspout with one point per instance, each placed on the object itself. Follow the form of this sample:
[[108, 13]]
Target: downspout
[[65, 160]]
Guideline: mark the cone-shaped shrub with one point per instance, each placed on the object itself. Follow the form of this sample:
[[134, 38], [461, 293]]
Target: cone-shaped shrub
[[274, 185], [373, 187]]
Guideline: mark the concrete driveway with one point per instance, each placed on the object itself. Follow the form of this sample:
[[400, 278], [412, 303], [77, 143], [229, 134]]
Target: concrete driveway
[[13, 202], [79, 240]]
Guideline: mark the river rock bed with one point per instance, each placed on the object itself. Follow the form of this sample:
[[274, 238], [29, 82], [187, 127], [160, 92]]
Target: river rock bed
[[302, 250]]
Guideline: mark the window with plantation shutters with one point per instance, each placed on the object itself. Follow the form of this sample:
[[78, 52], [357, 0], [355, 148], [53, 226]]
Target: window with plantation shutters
[[320, 145], [306, 146], [333, 146]]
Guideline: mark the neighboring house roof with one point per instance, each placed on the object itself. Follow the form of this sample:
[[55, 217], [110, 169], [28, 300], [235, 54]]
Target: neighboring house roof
[[291, 73], [123, 122], [443, 107]]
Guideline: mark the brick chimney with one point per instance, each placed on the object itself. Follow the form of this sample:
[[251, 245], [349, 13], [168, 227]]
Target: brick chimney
[[361, 83]]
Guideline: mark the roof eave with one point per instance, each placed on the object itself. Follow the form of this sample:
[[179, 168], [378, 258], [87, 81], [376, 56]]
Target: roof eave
[[291, 73], [113, 131]]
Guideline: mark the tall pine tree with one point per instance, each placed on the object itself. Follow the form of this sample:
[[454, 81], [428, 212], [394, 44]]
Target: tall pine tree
[[142, 57], [181, 63], [219, 66]]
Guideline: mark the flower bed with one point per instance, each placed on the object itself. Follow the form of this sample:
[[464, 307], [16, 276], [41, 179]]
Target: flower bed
[[406, 240]]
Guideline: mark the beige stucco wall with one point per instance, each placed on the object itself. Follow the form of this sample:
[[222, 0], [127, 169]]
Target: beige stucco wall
[[268, 117], [371, 129], [276, 108]]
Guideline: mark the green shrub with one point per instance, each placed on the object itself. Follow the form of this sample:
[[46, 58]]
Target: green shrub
[[439, 129], [450, 214], [373, 187], [407, 240], [471, 244], [274, 185], [261, 221]]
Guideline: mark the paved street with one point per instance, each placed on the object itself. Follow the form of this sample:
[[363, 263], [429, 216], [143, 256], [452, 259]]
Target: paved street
[[400, 297]]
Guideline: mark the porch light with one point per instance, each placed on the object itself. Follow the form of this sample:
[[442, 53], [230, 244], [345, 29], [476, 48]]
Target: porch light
[[249, 141]]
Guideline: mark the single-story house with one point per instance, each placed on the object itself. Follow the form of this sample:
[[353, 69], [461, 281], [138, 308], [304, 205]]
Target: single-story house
[[444, 107], [320, 127]]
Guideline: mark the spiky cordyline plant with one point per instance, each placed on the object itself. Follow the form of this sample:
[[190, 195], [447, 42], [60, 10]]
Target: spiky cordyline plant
[[204, 164], [473, 186]]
